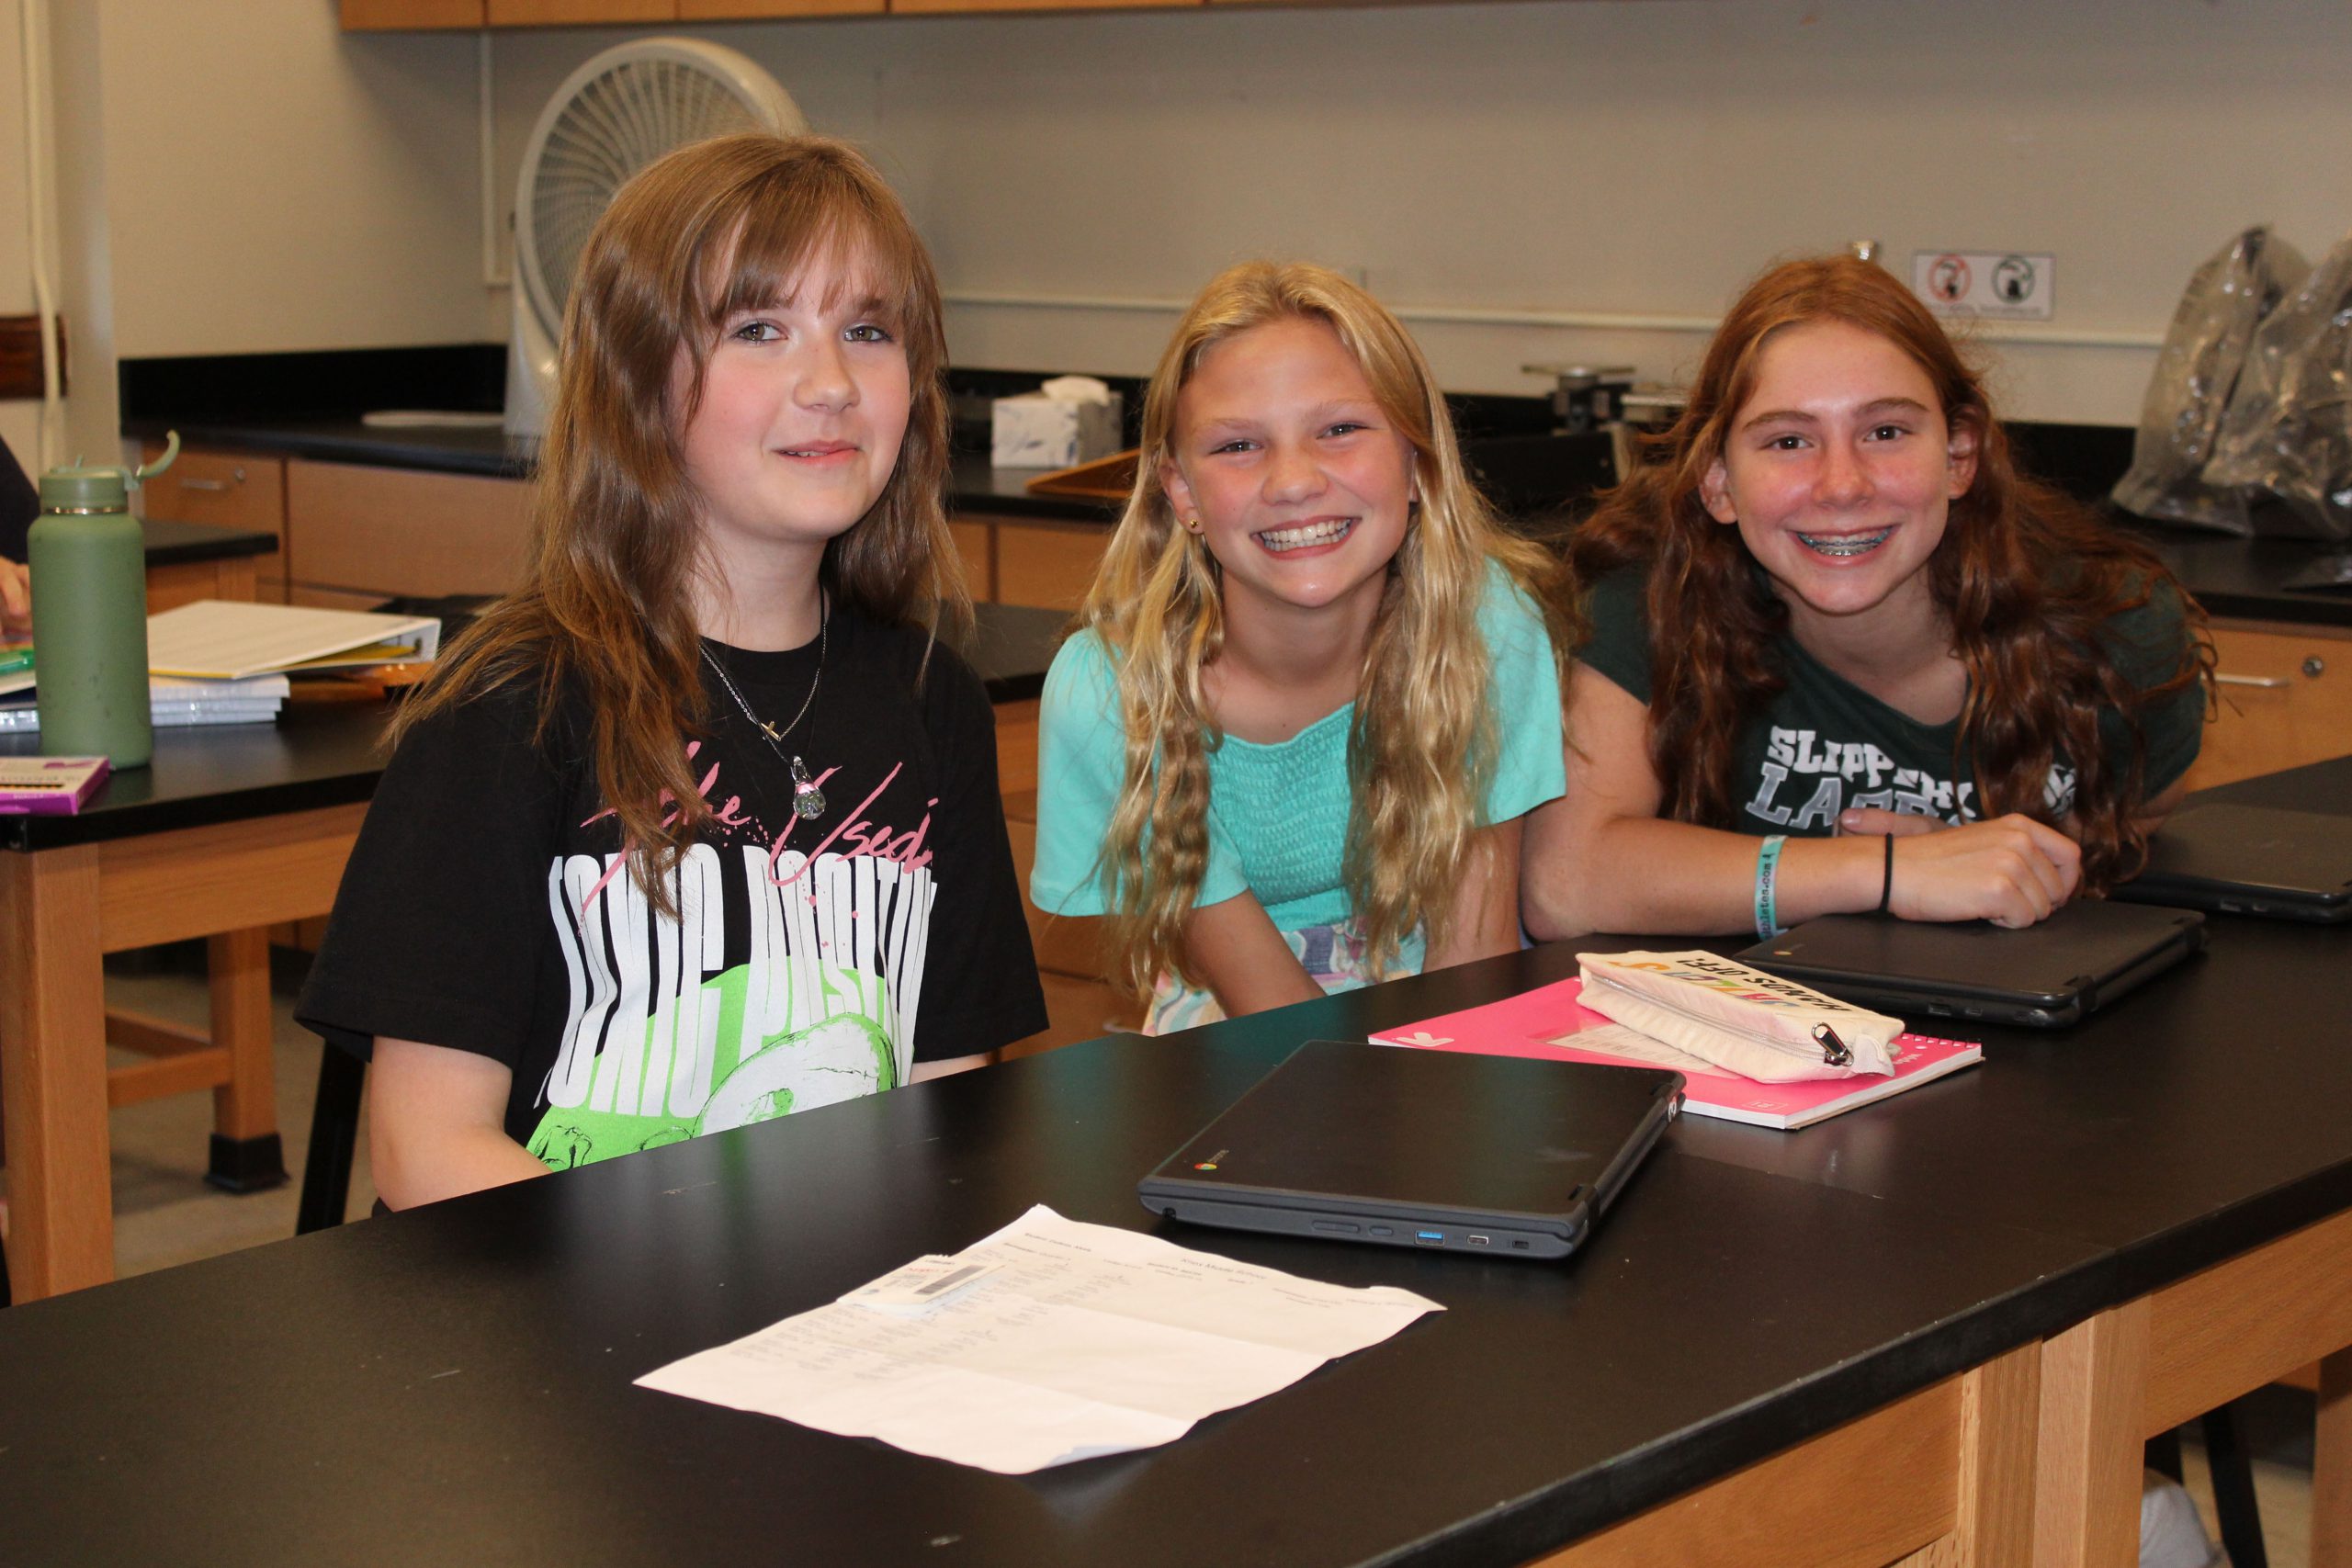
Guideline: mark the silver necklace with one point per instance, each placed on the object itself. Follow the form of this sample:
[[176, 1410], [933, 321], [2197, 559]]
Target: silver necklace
[[808, 800]]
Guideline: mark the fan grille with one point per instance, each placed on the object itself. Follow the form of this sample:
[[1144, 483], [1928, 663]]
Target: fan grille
[[614, 126]]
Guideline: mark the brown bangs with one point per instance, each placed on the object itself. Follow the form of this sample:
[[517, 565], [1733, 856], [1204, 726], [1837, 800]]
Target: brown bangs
[[785, 225]]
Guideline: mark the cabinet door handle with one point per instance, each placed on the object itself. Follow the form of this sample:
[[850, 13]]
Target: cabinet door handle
[[2267, 682], [215, 485]]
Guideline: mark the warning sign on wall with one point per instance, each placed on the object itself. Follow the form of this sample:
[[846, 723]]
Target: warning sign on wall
[[2001, 286]]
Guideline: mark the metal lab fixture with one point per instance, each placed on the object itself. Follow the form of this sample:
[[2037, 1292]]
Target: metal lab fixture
[[1585, 396]]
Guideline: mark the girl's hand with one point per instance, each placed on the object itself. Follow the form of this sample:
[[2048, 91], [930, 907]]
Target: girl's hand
[[2011, 871], [16, 599]]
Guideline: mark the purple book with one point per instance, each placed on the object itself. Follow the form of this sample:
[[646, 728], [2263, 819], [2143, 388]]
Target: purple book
[[49, 785]]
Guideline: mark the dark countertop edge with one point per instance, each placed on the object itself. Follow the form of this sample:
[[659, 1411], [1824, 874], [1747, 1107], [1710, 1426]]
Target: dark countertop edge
[[2287, 605], [974, 488], [171, 543], [1015, 688], [30, 833], [339, 442]]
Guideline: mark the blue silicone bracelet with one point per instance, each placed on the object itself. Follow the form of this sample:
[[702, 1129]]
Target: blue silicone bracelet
[[1767, 871]]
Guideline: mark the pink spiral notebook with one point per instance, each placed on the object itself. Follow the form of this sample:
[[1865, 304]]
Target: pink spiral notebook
[[1550, 1024]]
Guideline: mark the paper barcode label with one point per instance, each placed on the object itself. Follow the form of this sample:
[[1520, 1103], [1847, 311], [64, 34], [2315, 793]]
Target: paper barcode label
[[921, 1286]]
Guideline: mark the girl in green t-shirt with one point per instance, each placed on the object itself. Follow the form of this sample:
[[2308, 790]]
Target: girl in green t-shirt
[[1845, 657], [1314, 687]]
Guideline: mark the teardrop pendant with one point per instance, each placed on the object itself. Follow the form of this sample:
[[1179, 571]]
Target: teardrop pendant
[[808, 800]]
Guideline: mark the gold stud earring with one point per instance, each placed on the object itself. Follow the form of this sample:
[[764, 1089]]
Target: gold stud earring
[[1191, 524]]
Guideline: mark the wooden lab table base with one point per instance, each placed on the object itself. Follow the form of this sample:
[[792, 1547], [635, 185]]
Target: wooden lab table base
[[2145, 1367], [1950, 1486], [61, 910]]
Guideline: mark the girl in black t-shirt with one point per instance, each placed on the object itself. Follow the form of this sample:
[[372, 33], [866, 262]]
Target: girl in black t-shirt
[[699, 827], [1845, 657]]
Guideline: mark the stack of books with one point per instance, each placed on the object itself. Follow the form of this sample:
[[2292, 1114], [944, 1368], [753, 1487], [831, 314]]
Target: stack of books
[[173, 702], [221, 663]]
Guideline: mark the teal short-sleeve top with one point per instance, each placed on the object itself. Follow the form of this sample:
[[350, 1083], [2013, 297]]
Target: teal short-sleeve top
[[1278, 813]]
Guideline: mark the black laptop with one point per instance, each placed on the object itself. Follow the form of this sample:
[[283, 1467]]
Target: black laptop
[[1501, 1154], [2250, 860], [2044, 976]]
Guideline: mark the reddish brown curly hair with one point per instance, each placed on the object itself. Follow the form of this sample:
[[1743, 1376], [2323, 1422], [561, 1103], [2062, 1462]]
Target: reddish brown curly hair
[[2029, 578]]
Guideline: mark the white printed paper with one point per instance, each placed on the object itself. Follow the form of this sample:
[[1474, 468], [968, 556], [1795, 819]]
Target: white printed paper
[[1079, 1341]]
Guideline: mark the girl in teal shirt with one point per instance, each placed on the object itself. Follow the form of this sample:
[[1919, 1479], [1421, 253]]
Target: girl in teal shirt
[[1314, 687]]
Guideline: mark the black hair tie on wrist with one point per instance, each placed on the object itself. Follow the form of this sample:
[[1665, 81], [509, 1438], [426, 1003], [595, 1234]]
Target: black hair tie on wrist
[[1886, 882]]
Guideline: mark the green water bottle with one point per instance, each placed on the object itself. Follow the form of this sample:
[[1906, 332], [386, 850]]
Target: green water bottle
[[89, 571]]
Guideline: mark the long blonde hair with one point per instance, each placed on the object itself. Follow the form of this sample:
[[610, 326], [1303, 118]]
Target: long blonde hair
[[1423, 742], [604, 611]]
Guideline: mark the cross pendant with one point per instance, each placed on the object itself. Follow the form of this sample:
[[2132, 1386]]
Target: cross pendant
[[771, 730]]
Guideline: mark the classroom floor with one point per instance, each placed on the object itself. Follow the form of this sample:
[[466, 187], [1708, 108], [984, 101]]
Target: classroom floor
[[164, 1215]]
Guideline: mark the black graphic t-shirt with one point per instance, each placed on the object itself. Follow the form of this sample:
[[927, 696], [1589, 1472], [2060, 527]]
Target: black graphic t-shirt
[[487, 906], [1823, 744]]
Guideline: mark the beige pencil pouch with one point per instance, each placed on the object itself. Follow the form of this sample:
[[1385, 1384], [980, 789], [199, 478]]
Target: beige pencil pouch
[[1742, 1020]]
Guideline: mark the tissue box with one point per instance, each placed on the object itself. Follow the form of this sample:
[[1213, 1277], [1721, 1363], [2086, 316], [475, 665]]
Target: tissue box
[[1037, 430]]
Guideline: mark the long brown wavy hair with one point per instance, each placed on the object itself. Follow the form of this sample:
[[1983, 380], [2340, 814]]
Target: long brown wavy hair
[[2028, 577], [1423, 741], [604, 614]]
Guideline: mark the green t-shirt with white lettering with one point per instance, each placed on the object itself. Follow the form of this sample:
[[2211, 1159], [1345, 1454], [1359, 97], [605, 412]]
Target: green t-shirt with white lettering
[[1822, 744]]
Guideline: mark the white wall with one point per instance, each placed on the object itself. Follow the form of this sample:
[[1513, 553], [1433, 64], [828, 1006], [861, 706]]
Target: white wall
[[19, 421], [238, 175], [275, 184], [1552, 156]]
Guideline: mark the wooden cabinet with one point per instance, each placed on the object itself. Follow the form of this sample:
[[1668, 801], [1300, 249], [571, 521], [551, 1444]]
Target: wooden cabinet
[[976, 542], [748, 10], [1081, 1003], [2285, 700], [387, 16], [1049, 564], [353, 530], [225, 490], [553, 12], [931, 7]]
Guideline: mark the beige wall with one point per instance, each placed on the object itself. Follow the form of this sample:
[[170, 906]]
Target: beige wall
[[238, 175], [1631, 157], [19, 421], [243, 177], [274, 184]]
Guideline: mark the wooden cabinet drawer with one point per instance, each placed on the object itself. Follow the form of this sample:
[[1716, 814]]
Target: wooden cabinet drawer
[[1016, 756], [393, 531], [362, 15], [227, 489], [2285, 700], [1048, 564], [747, 11], [545, 13], [333, 598], [976, 543]]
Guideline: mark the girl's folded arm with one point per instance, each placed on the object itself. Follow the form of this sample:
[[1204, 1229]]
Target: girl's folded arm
[[1600, 858], [1238, 953], [436, 1119]]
